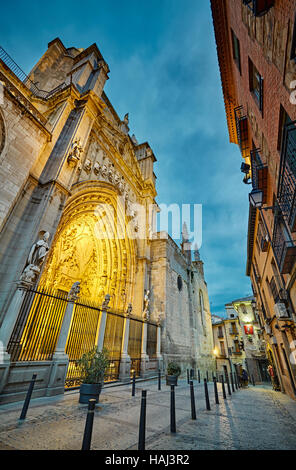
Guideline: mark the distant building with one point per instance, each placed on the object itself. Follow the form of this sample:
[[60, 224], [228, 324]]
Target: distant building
[[256, 47], [238, 342]]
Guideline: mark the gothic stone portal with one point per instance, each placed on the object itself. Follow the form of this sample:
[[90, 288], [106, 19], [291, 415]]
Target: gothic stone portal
[[87, 249]]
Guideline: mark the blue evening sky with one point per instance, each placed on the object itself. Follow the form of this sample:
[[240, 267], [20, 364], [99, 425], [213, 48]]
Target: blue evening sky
[[164, 72]]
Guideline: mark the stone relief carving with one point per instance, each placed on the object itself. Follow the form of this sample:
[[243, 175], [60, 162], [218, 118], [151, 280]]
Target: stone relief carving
[[35, 259]]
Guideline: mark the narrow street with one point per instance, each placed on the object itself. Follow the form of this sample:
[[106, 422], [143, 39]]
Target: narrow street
[[253, 418]]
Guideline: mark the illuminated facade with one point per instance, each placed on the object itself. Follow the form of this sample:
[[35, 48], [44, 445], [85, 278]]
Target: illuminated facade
[[256, 46], [238, 341], [80, 265]]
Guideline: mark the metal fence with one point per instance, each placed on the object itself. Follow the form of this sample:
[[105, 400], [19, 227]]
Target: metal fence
[[82, 338], [38, 325], [37, 329]]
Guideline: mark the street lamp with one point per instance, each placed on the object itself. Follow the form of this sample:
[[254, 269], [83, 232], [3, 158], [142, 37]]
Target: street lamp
[[256, 198]]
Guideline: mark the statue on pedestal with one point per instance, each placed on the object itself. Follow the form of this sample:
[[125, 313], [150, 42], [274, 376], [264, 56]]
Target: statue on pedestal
[[35, 260]]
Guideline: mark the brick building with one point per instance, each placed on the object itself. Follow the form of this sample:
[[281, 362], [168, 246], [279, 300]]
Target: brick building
[[256, 46]]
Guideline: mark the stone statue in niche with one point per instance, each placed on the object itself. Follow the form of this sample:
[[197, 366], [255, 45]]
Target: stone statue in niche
[[121, 185], [124, 125], [35, 259], [75, 152], [129, 310], [146, 313], [110, 172], [87, 166], [196, 253], [104, 170], [97, 168], [126, 119], [134, 140], [74, 292], [105, 304]]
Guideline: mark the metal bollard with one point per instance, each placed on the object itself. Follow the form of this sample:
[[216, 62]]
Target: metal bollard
[[207, 376], [228, 385], [173, 410], [28, 397], [232, 383], [191, 374], [223, 387], [216, 391], [198, 376], [89, 424], [159, 379], [253, 381], [193, 410], [207, 395], [188, 376], [134, 384], [142, 425]]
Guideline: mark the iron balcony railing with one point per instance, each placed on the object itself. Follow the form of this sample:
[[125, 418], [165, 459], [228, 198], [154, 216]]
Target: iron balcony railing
[[21, 75], [283, 246], [259, 173], [242, 130], [287, 176], [259, 7]]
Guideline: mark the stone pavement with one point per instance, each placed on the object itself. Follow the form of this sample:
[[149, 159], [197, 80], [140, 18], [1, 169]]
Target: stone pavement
[[253, 418]]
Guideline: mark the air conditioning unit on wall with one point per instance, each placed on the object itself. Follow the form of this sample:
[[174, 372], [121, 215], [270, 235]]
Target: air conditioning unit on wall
[[280, 310]]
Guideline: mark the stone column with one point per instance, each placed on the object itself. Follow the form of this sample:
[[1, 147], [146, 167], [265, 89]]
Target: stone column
[[60, 360], [11, 318], [102, 324], [144, 356], [125, 360]]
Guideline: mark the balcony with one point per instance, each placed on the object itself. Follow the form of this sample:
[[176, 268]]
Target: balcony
[[220, 335], [285, 250], [242, 130], [259, 173], [233, 331], [259, 7], [287, 176]]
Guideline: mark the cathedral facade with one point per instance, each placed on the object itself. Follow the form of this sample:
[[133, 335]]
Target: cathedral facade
[[80, 265]]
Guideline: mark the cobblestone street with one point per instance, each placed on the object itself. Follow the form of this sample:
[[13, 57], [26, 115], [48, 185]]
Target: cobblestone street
[[252, 418]]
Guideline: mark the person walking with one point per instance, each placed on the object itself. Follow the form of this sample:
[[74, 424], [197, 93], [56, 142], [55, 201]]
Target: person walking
[[245, 378]]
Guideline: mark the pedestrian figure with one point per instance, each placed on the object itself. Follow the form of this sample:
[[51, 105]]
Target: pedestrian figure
[[245, 378]]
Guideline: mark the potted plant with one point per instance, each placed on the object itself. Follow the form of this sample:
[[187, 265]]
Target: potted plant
[[92, 366], [173, 372]]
